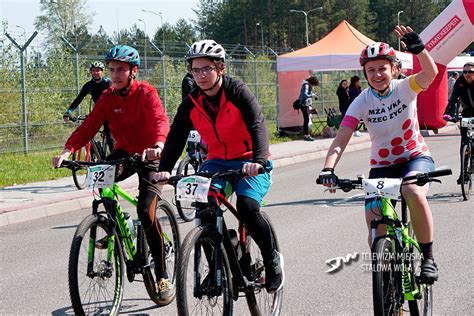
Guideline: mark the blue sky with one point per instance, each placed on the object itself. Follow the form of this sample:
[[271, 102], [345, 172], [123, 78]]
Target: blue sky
[[111, 14]]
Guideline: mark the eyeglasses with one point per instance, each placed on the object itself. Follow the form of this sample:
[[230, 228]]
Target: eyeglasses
[[204, 70], [468, 72]]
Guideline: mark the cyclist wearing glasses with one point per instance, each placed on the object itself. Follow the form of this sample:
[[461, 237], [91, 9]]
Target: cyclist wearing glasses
[[139, 124], [388, 108], [230, 121], [463, 91], [94, 87]]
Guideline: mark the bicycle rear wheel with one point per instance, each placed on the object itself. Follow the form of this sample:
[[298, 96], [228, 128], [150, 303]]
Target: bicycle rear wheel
[[170, 233], [466, 171], [260, 302], [88, 153], [385, 278], [95, 285], [197, 292], [186, 209]]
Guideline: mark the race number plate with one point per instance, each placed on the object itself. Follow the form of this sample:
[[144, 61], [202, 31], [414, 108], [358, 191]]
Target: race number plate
[[468, 122], [389, 188], [194, 137], [100, 176], [193, 188]]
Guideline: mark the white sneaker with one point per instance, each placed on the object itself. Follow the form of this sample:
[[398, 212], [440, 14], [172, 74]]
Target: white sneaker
[[357, 134]]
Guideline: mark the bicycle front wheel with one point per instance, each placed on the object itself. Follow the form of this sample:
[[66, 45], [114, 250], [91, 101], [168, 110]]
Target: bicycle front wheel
[[89, 153], [95, 284], [260, 302], [423, 303], [466, 171], [197, 291], [385, 278], [186, 209], [170, 234]]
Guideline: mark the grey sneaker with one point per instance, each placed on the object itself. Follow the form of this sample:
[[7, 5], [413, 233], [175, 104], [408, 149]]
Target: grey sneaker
[[166, 292], [274, 273]]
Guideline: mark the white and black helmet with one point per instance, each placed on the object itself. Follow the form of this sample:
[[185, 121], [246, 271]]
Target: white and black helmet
[[206, 48]]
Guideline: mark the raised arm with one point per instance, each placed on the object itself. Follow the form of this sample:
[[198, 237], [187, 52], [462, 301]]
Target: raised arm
[[411, 41]]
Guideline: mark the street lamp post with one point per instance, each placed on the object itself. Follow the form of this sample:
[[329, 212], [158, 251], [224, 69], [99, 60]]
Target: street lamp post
[[163, 71], [261, 28], [146, 66], [398, 23], [160, 14], [306, 19]]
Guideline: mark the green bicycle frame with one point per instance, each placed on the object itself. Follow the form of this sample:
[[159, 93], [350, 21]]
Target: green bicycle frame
[[399, 232], [110, 194]]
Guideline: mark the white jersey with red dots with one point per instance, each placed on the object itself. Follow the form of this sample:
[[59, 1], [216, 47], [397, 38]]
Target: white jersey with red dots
[[391, 121]]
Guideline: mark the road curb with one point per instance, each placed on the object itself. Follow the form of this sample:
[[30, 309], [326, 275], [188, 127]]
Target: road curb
[[77, 202]]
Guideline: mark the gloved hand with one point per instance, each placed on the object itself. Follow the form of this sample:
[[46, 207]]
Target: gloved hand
[[66, 116], [328, 178], [413, 43]]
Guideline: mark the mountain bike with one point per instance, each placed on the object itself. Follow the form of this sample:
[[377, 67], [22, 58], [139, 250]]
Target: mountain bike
[[95, 150], [108, 243], [396, 256], [467, 159], [217, 264], [196, 153]]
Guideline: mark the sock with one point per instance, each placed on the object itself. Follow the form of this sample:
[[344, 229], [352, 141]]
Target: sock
[[427, 250]]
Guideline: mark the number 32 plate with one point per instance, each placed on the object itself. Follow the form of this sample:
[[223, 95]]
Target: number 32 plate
[[100, 176], [194, 188]]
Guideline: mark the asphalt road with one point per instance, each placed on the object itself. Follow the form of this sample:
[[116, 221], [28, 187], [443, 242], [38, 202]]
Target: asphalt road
[[313, 226]]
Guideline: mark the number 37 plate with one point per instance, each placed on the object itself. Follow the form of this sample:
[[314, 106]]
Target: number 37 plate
[[194, 188]]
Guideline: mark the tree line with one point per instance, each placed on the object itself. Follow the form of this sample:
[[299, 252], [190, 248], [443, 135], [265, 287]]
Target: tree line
[[279, 24]]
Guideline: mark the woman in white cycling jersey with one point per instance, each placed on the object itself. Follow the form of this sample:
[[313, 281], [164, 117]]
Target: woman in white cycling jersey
[[388, 108]]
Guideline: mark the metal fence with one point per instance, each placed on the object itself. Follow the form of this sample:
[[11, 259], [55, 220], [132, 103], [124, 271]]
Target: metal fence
[[39, 85]]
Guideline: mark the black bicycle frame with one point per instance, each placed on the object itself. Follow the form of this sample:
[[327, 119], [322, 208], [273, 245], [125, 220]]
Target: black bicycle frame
[[221, 237]]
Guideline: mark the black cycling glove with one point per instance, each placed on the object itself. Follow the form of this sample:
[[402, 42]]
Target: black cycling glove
[[327, 177], [413, 43]]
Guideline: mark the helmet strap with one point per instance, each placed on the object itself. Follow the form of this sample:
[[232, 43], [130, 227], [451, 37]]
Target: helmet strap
[[214, 85]]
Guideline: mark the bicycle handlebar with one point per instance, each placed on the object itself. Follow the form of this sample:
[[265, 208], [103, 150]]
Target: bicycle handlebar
[[347, 185], [173, 180], [76, 165]]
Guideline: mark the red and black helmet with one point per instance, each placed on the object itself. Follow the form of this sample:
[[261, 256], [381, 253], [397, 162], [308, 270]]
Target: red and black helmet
[[377, 51]]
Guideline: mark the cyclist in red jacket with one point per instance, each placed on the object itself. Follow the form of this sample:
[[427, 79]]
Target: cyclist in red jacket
[[138, 124], [230, 121]]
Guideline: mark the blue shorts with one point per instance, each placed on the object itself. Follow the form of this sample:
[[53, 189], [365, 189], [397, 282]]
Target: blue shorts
[[252, 187], [421, 164]]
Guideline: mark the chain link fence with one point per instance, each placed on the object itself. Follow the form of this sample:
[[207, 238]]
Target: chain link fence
[[38, 85]]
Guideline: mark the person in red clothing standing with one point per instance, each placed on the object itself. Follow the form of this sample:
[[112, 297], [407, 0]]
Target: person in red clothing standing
[[138, 124]]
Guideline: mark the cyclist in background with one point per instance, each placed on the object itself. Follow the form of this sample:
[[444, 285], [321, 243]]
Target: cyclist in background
[[388, 108], [399, 74], [139, 124], [187, 85], [463, 91], [230, 121], [94, 87]]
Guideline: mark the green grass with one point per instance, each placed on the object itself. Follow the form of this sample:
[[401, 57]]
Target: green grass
[[18, 168]]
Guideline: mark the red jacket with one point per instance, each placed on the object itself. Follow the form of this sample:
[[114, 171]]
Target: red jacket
[[238, 133], [137, 121], [222, 139]]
